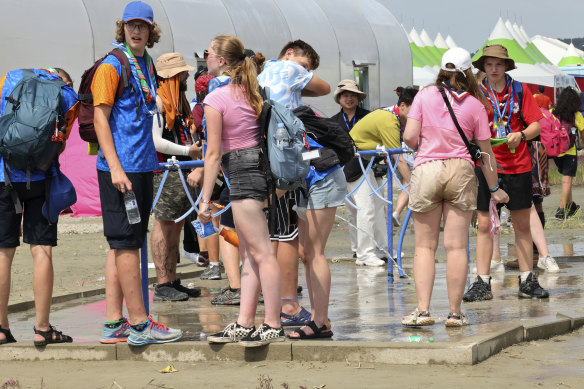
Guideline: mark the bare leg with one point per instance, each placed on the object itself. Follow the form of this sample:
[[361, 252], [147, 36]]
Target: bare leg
[[230, 256], [523, 241], [484, 244], [496, 247], [566, 191], [260, 267], [42, 284], [537, 232], [113, 291], [402, 202], [164, 245], [456, 224], [128, 267], [427, 231], [6, 257]]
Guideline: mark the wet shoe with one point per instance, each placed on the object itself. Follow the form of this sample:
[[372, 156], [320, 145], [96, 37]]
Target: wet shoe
[[395, 218], [191, 292], [231, 334], [262, 336], [167, 292], [560, 214], [212, 272], [370, 261], [302, 318], [116, 334], [418, 319], [530, 288], [478, 291], [548, 263], [572, 209], [227, 296], [455, 320], [153, 333]]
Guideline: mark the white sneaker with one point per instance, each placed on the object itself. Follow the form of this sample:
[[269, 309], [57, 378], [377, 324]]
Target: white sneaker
[[497, 266], [395, 218], [549, 264], [370, 261]]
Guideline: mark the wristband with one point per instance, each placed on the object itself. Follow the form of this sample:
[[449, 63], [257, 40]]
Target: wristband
[[493, 190], [523, 138], [208, 201]]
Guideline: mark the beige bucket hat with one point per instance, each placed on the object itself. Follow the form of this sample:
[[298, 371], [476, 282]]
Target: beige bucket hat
[[496, 51], [348, 86], [171, 64]]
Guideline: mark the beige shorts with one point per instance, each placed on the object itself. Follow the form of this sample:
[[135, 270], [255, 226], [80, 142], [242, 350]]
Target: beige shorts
[[447, 180]]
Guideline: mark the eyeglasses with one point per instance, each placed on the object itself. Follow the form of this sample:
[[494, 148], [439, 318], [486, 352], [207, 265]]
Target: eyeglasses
[[133, 26]]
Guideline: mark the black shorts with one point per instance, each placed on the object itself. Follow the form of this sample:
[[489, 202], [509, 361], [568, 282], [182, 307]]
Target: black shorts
[[35, 228], [118, 232], [517, 186], [226, 218], [245, 171], [286, 228], [567, 165]]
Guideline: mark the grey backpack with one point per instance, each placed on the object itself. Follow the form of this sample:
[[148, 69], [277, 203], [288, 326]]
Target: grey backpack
[[31, 117]]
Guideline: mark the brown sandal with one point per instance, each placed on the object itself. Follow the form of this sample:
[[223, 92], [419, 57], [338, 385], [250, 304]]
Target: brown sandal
[[9, 338], [48, 335]]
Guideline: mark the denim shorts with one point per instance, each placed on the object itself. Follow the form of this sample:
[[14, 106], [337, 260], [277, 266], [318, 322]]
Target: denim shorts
[[246, 174], [329, 192]]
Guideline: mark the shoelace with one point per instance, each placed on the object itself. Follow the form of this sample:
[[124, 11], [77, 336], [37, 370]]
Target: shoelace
[[156, 325]]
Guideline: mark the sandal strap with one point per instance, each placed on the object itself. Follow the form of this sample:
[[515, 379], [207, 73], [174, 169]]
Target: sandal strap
[[317, 330], [8, 334], [48, 335], [455, 315]]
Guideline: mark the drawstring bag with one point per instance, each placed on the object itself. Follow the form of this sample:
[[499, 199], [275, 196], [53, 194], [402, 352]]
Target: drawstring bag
[[61, 195]]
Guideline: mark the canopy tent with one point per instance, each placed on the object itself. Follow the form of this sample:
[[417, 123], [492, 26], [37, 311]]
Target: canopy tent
[[553, 49], [429, 45], [571, 57], [424, 70], [528, 70], [428, 57], [440, 43]]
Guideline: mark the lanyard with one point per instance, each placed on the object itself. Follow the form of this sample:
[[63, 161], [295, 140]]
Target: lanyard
[[502, 129], [352, 123]]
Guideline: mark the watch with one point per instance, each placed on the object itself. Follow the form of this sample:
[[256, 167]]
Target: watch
[[523, 138]]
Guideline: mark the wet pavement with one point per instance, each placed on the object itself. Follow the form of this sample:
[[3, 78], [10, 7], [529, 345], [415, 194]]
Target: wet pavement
[[363, 306]]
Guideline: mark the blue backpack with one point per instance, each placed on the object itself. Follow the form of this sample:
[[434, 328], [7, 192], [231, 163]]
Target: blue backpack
[[285, 140]]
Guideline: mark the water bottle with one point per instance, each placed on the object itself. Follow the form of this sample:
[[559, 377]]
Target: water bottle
[[132, 208], [281, 137], [202, 336]]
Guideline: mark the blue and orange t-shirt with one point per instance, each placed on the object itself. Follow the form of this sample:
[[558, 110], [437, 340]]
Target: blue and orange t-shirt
[[130, 118], [69, 107]]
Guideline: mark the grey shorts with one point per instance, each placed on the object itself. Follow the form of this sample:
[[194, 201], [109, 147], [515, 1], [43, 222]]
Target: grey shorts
[[173, 201], [245, 172], [329, 192]]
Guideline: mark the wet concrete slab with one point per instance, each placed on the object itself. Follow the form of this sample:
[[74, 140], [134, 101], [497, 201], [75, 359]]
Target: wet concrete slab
[[365, 312]]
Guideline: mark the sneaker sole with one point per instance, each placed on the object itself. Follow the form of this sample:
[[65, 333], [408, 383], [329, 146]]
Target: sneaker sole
[[153, 341], [527, 296], [223, 303], [113, 341], [453, 324], [212, 339], [259, 343], [481, 299], [157, 298]]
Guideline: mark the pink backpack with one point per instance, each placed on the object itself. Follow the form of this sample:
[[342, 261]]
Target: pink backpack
[[554, 135]]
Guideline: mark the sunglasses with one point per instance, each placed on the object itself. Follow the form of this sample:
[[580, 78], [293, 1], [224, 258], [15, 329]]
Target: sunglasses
[[206, 54]]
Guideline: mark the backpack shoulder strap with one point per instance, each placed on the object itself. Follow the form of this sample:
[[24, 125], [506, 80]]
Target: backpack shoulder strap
[[126, 70]]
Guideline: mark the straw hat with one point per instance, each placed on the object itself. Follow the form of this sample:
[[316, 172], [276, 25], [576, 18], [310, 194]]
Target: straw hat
[[496, 51], [348, 86], [171, 64]]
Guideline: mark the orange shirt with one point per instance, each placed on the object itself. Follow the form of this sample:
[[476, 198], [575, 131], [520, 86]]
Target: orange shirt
[[543, 101]]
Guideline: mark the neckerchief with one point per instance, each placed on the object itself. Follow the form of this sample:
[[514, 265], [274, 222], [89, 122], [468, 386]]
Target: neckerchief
[[458, 95], [148, 94], [214, 83], [501, 118]]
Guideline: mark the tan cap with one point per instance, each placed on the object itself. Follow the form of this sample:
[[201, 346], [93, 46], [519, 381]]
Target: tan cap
[[171, 64], [496, 51], [348, 86]]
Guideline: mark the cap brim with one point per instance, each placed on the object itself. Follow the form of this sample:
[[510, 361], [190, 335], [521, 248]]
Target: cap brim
[[142, 19]]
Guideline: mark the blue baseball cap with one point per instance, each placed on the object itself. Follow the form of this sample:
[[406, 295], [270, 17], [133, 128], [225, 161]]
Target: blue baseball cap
[[138, 10]]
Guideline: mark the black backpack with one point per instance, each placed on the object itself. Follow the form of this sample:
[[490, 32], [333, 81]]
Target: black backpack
[[338, 146]]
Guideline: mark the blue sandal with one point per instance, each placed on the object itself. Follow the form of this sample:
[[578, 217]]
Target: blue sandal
[[302, 318]]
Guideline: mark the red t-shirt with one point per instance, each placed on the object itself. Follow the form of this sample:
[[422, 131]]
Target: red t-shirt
[[543, 101], [520, 161]]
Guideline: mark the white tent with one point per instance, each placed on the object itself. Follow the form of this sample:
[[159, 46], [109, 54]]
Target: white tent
[[440, 43], [450, 42], [553, 49]]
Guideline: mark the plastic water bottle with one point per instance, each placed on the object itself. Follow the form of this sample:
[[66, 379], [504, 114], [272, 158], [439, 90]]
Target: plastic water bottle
[[202, 336], [281, 137], [132, 208]]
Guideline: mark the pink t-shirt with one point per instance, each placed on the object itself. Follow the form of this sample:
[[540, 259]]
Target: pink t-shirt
[[439, 138], [240, 128]]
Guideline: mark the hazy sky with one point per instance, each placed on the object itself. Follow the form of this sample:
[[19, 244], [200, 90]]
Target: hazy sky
[[470, 22]]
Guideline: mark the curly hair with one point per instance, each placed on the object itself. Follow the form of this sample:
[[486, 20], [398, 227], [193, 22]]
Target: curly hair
[[243, 69], [153, 36], [567, 105]]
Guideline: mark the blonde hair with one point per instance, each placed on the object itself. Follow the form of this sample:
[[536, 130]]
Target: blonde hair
[[459, 81], [243, 69], [153, 36]]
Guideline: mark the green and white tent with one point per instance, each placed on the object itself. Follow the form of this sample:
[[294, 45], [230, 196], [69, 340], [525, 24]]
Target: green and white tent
[[571, 57], [450, 42], [429, 45], [441, 44], [425, 53]]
